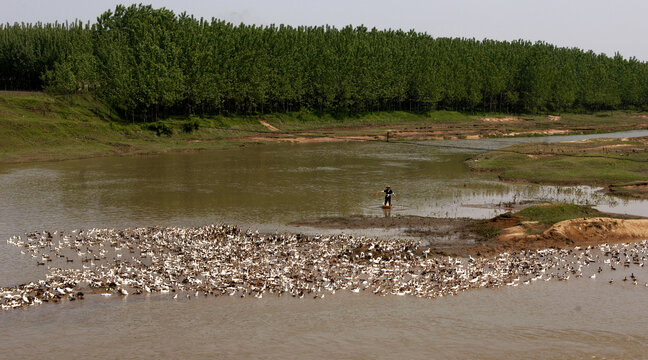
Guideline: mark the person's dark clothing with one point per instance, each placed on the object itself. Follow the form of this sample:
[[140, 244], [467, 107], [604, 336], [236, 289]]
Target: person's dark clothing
[[388, 195]]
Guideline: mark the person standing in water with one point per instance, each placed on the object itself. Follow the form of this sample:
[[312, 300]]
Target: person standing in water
[[388, 195]]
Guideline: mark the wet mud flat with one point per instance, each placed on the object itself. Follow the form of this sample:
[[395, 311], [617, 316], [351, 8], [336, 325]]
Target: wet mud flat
[[506, 232], [442, 235]]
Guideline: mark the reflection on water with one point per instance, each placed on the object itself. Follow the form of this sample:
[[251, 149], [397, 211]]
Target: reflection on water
[[266, 187]]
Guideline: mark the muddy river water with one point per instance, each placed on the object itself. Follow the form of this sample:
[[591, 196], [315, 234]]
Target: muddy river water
[[266, 187]]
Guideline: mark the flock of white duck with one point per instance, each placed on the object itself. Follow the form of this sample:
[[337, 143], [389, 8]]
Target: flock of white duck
[[224, 260]]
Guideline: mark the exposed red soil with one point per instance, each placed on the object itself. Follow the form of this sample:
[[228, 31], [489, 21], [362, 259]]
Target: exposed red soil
[[506, 119], [268, 126], [568, 233], [321, 135]]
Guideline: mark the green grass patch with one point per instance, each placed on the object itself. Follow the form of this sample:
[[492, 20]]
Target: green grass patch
[[592, 162], [552, 213]]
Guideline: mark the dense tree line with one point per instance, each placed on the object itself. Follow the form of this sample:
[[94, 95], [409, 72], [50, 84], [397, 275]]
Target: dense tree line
[[150, 62]]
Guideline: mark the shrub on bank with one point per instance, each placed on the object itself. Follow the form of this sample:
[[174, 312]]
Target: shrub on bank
[[161, 128], [190, 125]]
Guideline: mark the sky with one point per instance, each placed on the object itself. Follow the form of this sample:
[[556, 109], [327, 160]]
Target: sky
[[603, 26]]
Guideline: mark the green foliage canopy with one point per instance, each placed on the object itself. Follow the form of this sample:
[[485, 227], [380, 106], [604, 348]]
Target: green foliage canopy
[[150, 62]]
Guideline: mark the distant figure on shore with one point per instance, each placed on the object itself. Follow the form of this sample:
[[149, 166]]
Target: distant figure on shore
[[388, 195]]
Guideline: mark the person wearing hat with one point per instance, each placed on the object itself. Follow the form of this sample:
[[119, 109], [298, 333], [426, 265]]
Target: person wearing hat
[[388, 195]]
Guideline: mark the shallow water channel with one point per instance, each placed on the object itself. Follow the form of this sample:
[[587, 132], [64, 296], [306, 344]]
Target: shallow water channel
[[268, 186]]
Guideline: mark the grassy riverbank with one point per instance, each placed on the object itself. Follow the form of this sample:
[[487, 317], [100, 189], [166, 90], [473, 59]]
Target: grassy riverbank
[[620, 164], [40, 127]]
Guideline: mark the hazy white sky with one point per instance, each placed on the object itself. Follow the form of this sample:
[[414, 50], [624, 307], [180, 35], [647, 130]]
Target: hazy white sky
[[600, 25]]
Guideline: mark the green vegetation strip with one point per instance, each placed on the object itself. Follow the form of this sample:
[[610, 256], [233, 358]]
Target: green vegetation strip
[[590, 162], [551, 213]]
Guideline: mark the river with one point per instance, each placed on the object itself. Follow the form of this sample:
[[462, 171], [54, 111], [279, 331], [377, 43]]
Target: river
[[266, 187]]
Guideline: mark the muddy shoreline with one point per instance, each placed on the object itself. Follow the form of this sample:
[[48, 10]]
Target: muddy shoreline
[[506, 232], [482, 128]]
